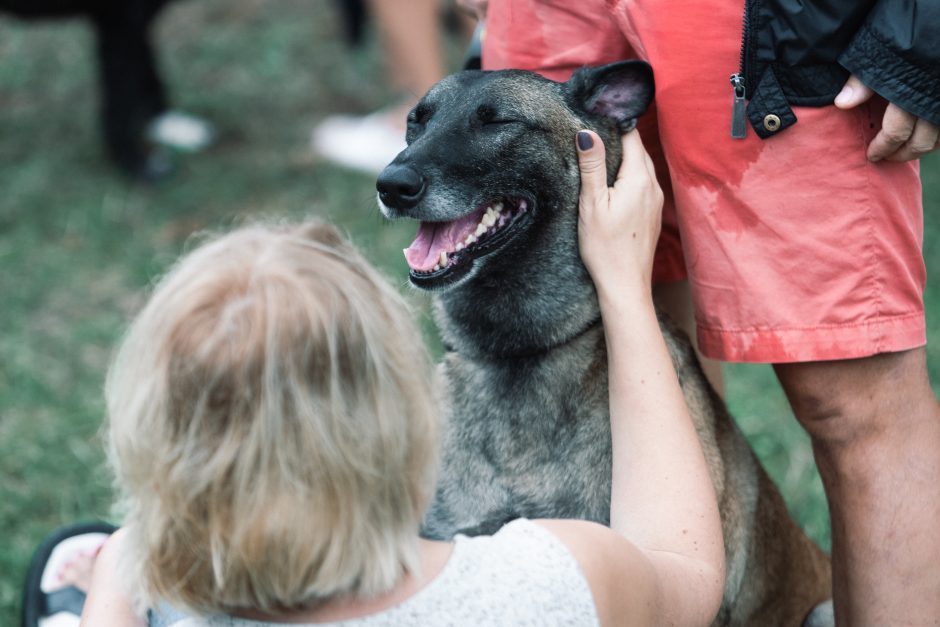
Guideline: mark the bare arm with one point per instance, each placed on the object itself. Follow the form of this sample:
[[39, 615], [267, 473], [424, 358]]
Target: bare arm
[[107, 602], [671, 569]]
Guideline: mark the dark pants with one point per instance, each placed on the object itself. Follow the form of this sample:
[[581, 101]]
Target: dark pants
[[131, 91]]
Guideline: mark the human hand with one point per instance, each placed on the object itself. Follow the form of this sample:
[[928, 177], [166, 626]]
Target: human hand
[[476, 7], [618, 227], [903, 135]]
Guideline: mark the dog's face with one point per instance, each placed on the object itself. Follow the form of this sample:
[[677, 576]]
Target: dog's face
[[491, 164]]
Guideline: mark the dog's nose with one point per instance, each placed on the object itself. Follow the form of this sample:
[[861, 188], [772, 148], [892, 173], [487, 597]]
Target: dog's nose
[[400, 186]]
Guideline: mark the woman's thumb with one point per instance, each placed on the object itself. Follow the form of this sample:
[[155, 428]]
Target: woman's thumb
[[591, 161]]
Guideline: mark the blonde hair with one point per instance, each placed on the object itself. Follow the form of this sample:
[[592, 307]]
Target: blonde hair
[[272, 426]]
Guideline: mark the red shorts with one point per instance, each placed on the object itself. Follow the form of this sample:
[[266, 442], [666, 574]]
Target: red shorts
[[797, 248]]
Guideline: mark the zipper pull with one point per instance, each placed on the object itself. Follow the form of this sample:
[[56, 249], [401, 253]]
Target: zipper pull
[[738, 108]]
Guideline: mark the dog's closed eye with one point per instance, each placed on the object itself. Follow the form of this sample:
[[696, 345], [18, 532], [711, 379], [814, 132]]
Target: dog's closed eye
[[417, 119], [420, 114], [487, 115]]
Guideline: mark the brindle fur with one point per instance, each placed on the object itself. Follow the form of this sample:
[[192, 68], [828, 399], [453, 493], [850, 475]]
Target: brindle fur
[[525, 372]]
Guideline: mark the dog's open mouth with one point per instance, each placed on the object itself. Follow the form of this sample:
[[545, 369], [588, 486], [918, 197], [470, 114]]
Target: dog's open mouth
[[441, 249]]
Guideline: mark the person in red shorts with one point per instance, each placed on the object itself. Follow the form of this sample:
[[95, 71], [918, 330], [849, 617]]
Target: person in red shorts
[[798, 227]]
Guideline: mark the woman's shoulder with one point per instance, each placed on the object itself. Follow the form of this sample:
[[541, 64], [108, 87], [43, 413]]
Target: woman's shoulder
[[524, 574], [523, 560], [620, 576], [526, 545]]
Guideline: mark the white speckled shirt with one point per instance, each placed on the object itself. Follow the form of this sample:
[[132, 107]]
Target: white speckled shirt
[[521, 576]]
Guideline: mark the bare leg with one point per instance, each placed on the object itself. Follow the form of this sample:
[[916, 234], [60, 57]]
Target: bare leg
[[411, 34], [676, 300], [875, 426], [411, 31]]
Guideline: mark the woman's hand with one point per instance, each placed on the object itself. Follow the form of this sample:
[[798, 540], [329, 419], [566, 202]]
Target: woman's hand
[[618, 226]]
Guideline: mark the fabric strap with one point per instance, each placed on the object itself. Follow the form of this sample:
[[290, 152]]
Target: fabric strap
[[69, 599]]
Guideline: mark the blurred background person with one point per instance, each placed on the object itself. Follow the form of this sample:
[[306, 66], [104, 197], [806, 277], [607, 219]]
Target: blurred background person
[[136, 121], [412, 38]]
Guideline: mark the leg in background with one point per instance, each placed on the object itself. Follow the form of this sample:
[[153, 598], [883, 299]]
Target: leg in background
[[132, 93], [875, 427], [411, 32], [411, 37]]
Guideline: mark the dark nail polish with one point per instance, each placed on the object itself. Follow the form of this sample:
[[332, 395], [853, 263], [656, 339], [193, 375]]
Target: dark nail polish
[[585, 142]]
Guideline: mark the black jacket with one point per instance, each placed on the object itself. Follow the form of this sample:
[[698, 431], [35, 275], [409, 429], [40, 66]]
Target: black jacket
[[800, 52]]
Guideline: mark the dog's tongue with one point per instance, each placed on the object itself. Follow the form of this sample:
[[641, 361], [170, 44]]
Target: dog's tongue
[[433, 238]]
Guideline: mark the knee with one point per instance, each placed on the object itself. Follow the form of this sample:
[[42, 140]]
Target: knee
[[853, 402], [830, 414]]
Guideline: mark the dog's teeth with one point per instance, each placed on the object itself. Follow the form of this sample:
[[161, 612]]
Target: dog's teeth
[[489, 219], [443, 258], [522, 205], [480, 230], [498, 207], [459, 246], [470, 239], [436, 268]]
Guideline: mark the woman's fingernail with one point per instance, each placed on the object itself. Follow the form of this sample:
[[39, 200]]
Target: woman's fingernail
[[585, 141]]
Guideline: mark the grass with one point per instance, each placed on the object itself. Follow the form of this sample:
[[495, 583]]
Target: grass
[[78, 245]]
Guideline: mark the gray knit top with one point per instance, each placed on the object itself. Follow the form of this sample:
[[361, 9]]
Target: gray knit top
[[523, 575]]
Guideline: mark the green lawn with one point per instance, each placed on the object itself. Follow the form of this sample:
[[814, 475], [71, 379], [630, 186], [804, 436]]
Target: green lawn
[[78, 245]]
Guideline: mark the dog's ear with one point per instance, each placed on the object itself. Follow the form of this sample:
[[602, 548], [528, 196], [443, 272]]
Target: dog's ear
[[620, 91]]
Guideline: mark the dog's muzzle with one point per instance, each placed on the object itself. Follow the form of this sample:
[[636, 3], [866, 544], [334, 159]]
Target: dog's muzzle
[[400, 186]]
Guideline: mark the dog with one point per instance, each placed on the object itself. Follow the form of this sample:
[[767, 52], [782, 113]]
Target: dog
[[492, 174]]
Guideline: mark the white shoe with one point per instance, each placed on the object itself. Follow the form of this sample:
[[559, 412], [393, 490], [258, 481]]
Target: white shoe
[[367, 143], [181, 131]]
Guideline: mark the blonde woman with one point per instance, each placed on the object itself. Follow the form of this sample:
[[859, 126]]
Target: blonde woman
[[273, 429]]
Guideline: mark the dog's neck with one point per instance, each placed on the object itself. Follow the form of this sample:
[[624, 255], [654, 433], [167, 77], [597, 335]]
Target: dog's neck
[[525, 310], [519, 352]]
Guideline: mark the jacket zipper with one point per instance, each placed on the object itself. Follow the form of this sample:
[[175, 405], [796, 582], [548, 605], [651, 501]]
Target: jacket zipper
[[738, 82]]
